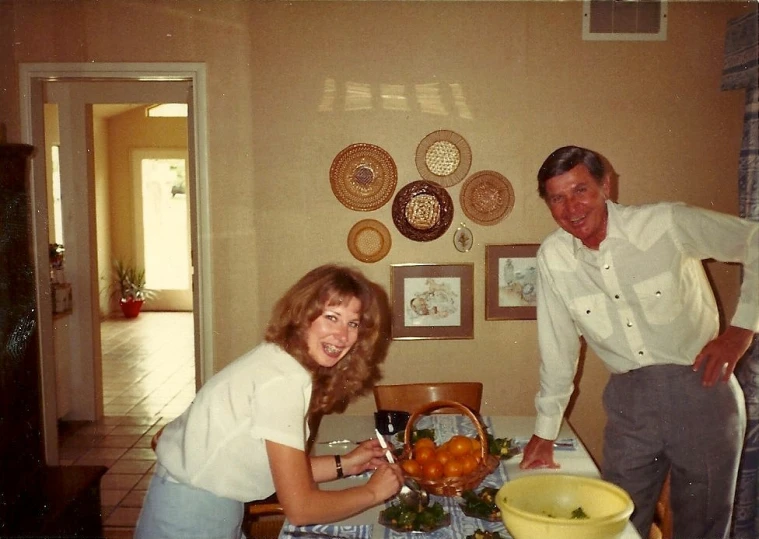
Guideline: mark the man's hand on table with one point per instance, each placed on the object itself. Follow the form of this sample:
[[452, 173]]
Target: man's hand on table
[[538, 453]]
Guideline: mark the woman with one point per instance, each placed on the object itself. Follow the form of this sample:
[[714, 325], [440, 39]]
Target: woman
[[244, 436]]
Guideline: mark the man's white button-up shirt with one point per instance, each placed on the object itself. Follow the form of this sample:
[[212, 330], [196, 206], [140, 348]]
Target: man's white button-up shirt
[[643, 298]]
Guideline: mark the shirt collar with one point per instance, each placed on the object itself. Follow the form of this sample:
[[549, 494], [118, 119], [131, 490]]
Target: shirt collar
[[613, 229]]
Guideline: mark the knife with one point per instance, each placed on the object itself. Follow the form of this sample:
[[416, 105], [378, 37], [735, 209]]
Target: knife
[[383, 443]]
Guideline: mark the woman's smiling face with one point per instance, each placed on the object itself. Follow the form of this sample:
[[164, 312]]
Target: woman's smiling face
[[334, 332]]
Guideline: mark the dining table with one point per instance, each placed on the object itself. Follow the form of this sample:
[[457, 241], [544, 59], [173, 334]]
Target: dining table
[[339, 434]]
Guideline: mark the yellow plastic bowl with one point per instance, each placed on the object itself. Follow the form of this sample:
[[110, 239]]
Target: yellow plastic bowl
[[540, 507]]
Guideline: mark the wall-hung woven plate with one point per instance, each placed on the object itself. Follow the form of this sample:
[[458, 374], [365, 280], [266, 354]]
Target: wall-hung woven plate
[[486, 197], [369, 240], [422, 210], [363, 177], [443, 157]]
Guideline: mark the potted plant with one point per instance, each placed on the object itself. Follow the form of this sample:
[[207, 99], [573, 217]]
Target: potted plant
[[129, 285]]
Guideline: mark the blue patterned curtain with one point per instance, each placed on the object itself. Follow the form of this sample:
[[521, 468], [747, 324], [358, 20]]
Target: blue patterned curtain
[[741, 71]]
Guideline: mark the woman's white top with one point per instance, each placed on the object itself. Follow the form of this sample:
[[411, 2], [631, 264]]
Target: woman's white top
[[217, 444]]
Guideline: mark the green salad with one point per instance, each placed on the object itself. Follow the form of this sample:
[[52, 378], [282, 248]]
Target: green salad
[[481, 504], [403, 518], [503, 448], [577, 514], [482, 534]]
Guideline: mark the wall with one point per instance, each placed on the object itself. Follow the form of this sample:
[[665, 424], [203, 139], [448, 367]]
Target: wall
[[103, 216], [528, 84], [9, 120]]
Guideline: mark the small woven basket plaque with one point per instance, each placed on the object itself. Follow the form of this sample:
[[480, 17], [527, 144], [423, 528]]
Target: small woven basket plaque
[[363, 177], [443, 157], [486, 197], [369, 240], [422, 210]]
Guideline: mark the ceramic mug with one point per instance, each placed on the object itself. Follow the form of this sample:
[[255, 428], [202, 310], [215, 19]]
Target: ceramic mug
[[390, 421]]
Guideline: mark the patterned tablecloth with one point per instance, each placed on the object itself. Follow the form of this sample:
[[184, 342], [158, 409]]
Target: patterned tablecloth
[[445, 426]]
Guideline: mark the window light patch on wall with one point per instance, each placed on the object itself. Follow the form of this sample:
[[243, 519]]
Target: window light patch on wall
[[168, 110], [624, 20]]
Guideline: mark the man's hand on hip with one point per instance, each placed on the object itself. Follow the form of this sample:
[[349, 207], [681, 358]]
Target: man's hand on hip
[[720, 356]]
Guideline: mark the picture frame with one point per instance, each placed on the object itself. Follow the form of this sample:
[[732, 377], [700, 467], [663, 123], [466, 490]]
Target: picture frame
[[432, 301], [510, 281]]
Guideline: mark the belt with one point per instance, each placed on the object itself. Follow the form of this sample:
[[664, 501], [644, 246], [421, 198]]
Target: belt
[[163, 473]]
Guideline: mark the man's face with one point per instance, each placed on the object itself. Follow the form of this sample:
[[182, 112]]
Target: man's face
[[578, 204]]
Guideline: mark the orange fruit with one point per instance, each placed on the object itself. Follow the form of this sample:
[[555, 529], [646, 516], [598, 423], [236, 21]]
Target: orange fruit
[[432, 470], [460, 445], [476, 445], [443, 456], [411, 467], [468, 463], [453, 468], [424, 442], [424, 454]]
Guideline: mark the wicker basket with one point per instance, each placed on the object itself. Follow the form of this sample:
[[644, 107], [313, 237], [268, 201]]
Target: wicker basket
[[452, 486]]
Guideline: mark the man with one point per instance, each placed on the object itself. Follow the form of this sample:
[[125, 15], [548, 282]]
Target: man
[[630, 281]]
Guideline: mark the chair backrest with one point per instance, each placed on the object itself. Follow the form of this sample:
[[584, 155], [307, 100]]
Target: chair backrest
[[411, 397]]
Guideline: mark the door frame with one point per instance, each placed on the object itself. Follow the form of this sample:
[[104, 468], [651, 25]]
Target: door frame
[[32, 78]]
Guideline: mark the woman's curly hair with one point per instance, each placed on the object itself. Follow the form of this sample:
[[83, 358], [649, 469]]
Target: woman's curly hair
[[329, 285]]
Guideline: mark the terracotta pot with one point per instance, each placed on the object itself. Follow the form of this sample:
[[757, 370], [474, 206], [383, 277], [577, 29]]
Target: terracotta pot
[[131, 307]]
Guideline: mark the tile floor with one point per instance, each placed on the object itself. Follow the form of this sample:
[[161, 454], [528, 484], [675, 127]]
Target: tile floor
[[148, 379]]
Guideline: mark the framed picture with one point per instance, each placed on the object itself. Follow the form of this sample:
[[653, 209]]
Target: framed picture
[[510, 281], [432, 301]]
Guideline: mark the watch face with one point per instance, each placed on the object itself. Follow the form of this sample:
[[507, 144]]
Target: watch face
[[463, 239]]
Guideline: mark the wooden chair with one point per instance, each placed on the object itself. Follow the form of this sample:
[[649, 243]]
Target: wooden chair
[[662, 525], [263, 519], [411, 397]]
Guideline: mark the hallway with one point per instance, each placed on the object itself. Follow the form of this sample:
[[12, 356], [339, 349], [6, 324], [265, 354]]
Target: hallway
[[148, 379]]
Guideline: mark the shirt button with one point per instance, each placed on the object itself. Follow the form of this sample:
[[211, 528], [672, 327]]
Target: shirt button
[[587, 312], [629, 324], [607, 266], [616, 296], [658, 293], [640, 353]]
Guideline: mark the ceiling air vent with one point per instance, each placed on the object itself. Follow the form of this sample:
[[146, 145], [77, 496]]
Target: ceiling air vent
[[624, 20]]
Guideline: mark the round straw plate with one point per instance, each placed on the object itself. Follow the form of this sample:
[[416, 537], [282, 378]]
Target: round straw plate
[[443, 157], [422, 210], [363, 177], [486, 197], [369, 240]]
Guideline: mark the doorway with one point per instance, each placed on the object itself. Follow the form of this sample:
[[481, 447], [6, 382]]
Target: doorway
[[162, 226], [85, 84]]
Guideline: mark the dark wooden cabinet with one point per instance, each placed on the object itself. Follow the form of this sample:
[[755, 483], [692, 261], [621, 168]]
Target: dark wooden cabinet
[[21, 446], [36, 500]]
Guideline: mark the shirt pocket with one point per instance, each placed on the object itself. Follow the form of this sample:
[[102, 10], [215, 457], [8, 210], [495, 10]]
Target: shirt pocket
[[659, 299], [591, 316]]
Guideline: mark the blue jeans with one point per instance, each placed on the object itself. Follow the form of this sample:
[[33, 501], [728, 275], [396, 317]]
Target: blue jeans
[[173, 510]]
